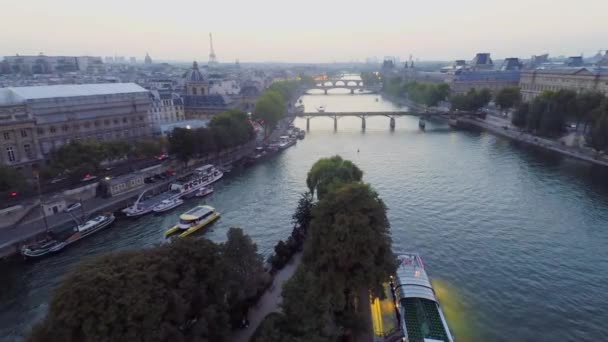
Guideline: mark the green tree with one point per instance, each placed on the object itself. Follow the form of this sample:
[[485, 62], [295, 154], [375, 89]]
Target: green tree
[[78, 158], [599, 132], [245, 267], [268, 111], [508, 98], [587, 102], [147, 148], [167, 293], [353, 217], [182, 144], [12, 180], [472, 101], [329, 172], [520, 116]]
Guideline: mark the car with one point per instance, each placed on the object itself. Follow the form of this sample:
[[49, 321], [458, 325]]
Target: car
[[73, 207], [58, 179], [161, 157], [88, 177]]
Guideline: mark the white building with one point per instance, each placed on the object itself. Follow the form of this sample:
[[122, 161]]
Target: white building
[[166, 108]]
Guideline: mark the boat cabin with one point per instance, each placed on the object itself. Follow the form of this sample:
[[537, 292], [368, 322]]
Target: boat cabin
[[195, 215], [421, 317]]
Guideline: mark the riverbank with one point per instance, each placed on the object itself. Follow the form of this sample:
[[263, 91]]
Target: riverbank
[[12, 238], [505, 130]]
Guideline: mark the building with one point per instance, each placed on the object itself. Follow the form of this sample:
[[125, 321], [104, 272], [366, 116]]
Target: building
[[464, 80], [147, 59], [534, 82], [166, 107], [63, 113], [18, 141], [41, 64], [198, 102], [482, 61], [166, 129]]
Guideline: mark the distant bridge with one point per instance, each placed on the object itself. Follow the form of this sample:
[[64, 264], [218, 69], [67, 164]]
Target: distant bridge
[[351, 85], [389, 114]]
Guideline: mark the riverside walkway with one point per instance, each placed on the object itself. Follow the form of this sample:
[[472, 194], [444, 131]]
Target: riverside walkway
[[269, 302]]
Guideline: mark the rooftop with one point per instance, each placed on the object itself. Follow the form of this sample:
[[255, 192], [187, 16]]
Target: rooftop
[[15, 95]]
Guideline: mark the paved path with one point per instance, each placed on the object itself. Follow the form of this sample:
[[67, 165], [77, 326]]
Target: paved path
[[269, 302]]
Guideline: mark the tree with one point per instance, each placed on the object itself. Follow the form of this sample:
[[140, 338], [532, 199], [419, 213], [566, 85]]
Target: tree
[[353, 217], [12, 180], [268, 110], [508, 98], [472, 101], [147, 148], [520, 116], [328, 172], [182, 144], [167, 293], [78, 158], [599, 133], [587, 101], [245, 267]]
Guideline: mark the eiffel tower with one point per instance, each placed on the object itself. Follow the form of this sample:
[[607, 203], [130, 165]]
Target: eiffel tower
[[212, 59]]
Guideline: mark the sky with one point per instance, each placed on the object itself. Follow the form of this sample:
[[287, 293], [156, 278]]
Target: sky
[[312, 31]]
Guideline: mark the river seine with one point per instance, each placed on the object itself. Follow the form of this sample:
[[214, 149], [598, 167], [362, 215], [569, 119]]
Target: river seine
[[515, 240]]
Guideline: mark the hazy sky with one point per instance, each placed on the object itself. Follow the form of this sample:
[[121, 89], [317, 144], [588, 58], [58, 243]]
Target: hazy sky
[[303, 31]]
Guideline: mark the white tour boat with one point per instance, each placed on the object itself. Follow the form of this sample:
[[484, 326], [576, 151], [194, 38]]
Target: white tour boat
[[168, 204], [421, 316], [208, 190]]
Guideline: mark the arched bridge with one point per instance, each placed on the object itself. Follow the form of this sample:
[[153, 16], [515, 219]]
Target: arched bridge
[[351, 85], [389, 114]]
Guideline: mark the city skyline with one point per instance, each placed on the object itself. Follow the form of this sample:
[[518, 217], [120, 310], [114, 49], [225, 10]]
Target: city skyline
[[271, 32]]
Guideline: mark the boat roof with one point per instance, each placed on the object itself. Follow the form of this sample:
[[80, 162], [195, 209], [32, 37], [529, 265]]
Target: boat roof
[[412, 280], [91, 223], [197, 212], [204, 167]]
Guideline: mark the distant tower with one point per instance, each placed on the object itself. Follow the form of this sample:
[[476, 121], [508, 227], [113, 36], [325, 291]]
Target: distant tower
[[212, 57], [147, 60]]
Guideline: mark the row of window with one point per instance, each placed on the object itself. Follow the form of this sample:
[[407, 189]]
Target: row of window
[[10, 153], [7, 135], [96, 123]]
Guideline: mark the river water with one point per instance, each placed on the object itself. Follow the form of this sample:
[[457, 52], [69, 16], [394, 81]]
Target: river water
[[514, 239]]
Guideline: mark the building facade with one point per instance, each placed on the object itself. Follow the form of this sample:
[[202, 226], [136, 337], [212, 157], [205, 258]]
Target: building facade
[[42, 64], [63, 113], [534, 82], [166, 107], [198, 102], [19, 146]]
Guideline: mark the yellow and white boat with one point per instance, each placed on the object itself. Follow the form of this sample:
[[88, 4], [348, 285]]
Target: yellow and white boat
[[193, 220]]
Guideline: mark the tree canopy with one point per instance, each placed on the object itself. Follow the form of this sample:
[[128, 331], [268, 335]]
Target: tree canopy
[[228, 129], [508, 97], [472, 101], [269, 109], [12, 180], [427, 94], [183, 291], [347, 254], [329, 172]]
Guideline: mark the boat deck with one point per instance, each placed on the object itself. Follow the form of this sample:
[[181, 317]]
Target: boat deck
[[155, 200], [422, 320]]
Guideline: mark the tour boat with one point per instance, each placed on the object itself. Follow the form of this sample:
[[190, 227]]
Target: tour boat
[[193, 220], [285, 142], [301, 134], [80, 231], [167, 205], [42, 248], [202, 177], [204, 191], [421, 316]]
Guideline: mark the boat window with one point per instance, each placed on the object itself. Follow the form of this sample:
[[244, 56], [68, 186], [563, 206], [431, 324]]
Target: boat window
[[185, 221]]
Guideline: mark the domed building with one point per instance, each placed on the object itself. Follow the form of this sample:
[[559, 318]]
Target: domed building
[[198, 103], [195, 82]]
